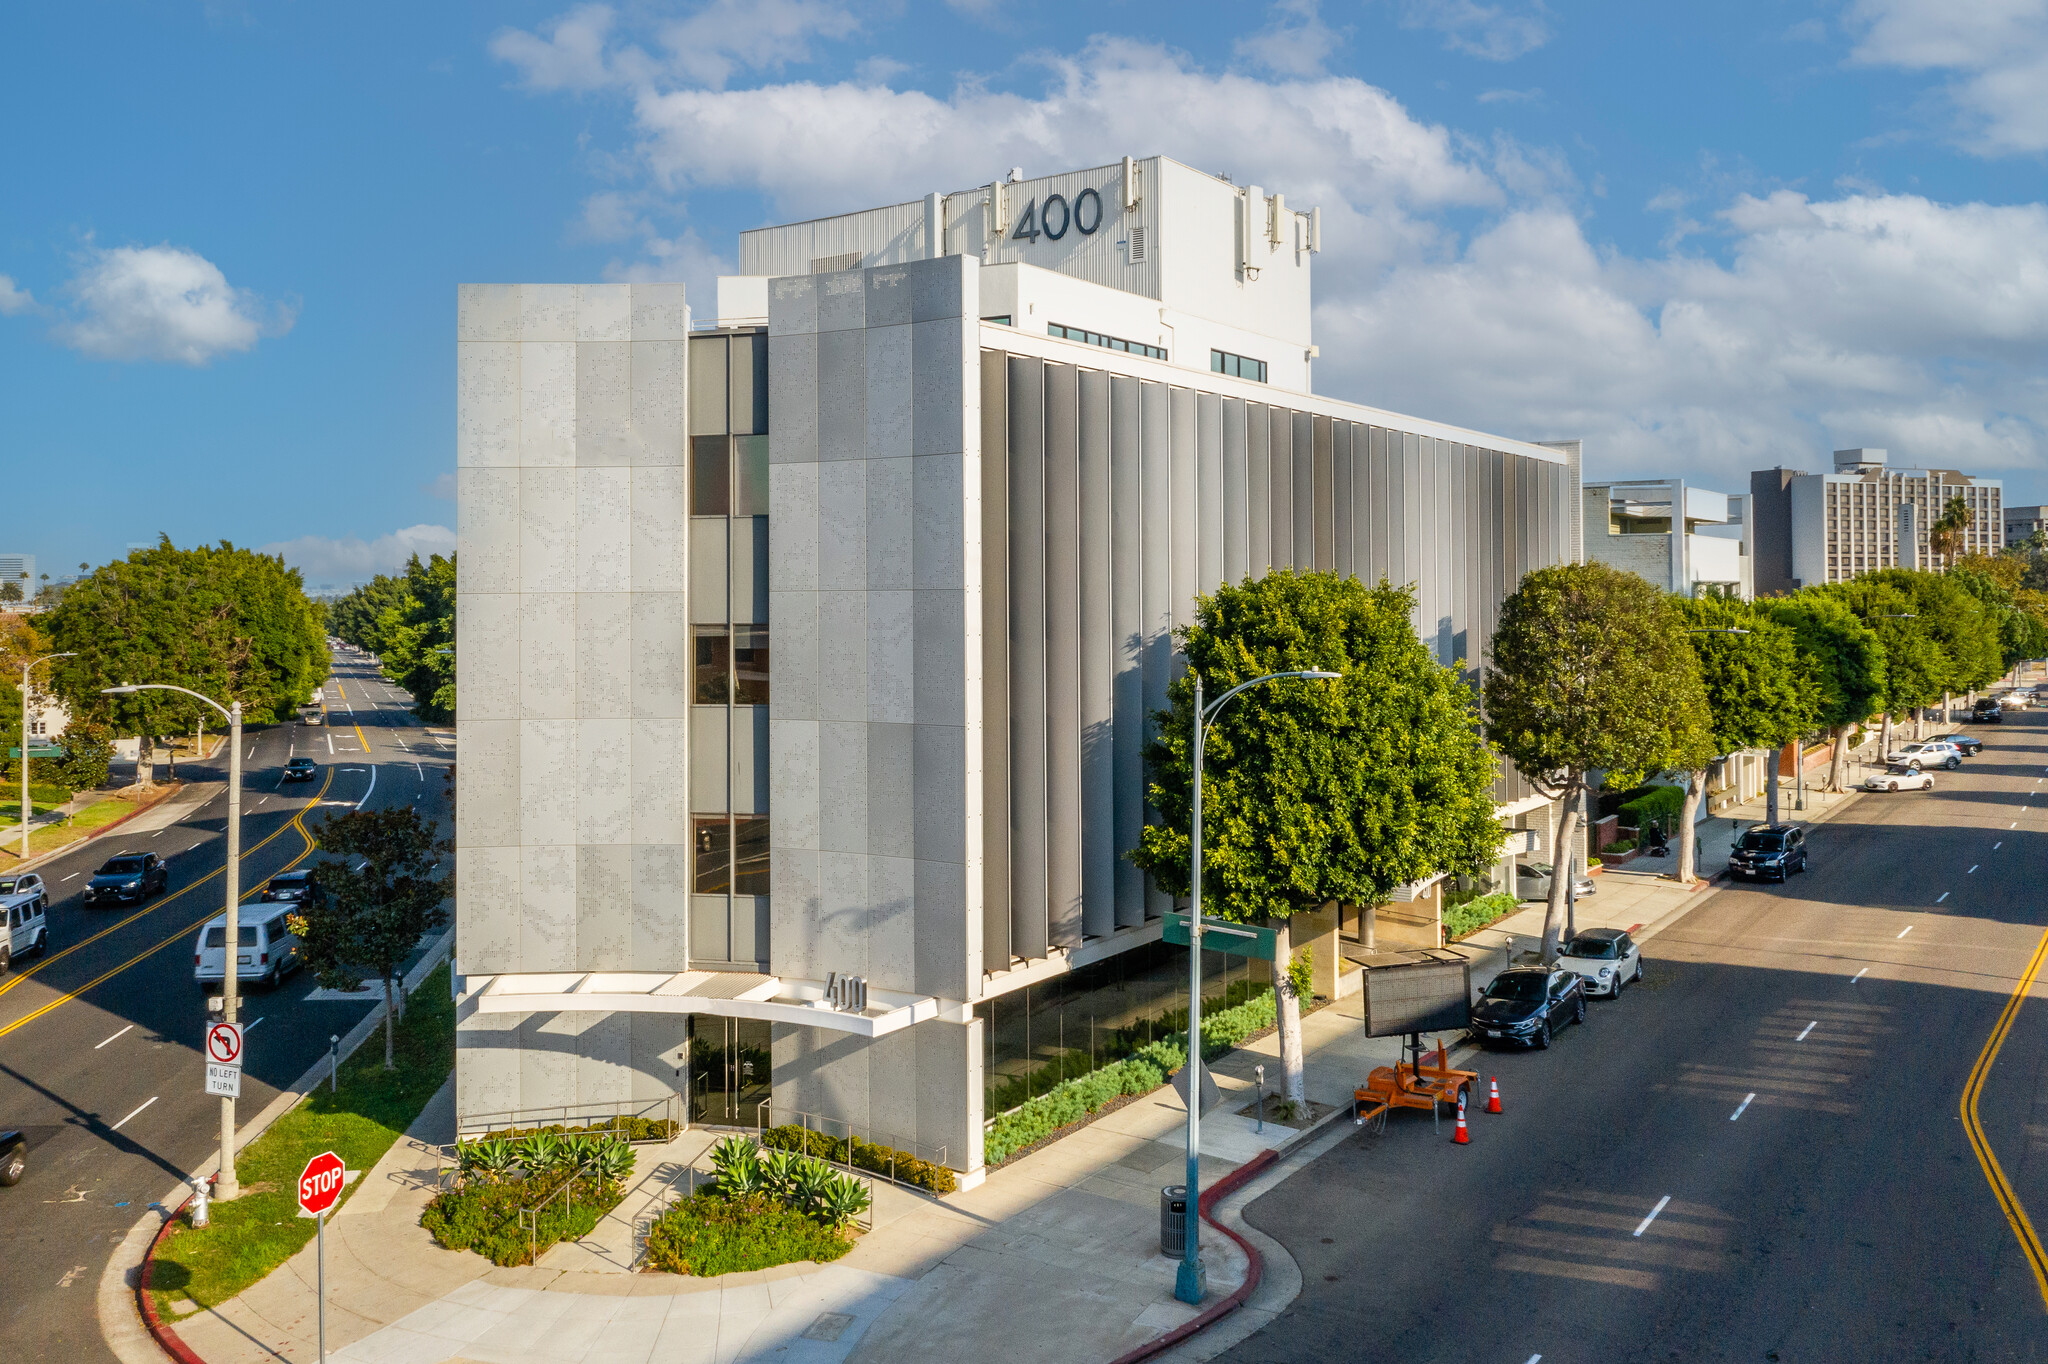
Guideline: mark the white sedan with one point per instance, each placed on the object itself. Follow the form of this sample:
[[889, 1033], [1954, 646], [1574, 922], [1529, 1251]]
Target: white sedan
[[1607, 957], [1899, 777]]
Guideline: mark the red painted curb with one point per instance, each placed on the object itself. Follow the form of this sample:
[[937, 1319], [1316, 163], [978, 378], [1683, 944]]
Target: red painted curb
[[165, 1337], [171, 789], [1230, 1183]]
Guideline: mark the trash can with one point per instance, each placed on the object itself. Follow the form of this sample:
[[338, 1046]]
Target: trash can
[[1173, 1221]]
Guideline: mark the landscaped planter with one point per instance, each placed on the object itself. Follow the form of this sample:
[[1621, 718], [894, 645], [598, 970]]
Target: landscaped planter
[[1618, 859]]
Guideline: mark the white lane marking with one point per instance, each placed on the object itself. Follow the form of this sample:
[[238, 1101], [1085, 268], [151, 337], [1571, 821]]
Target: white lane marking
[[1995, 847], [251, 1027], [1944, 896], [1904, 931], [154, 832], [117, 1126], [373, 787], [1858, 976], [1645, 1225], [2014, 825], [252, 752], [330, 753], [1731, 1117], [1973, 869], [129, 1028], [1805, 1030], [421, 770], [400, 742], [1534, 1359], [74, 876]]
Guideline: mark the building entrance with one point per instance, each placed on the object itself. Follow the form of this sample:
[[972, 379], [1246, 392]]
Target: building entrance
[[729, 1070]]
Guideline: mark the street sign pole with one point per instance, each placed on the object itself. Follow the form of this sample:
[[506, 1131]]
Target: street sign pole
[[320, 1236]]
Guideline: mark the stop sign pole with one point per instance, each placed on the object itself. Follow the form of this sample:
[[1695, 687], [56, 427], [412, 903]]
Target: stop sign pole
[[319, 1185]]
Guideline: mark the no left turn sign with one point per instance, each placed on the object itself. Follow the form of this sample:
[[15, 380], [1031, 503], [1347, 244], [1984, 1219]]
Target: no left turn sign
[[224, 1044]]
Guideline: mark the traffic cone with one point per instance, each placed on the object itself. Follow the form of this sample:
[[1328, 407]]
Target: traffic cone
[[1493, 1099], [1461, 1137]]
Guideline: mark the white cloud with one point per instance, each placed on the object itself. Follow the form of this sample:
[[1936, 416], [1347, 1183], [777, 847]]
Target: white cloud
[[441, 486], [162, 303], [1497, 33], [1997, 51], [1295, 42], [14, 299], [1510, 96], [704, 47], [351, 560]]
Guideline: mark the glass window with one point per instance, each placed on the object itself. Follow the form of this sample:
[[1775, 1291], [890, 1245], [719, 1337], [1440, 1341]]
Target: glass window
[[217, 936], [750, 665], [710, 476], [750, 459], [710, 668], [750, 854], [713, 836]]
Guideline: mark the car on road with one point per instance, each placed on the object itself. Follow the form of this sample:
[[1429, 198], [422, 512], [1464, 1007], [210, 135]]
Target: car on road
[[1607, 957], [1932, 753], [131, 877], [13, 1157], [1528, 1004], [1533, 880], [267, 951], [301, 769], [312, 715], [294, 887], [1768, 852], [26, 886], [1967, 745], [1899, 777], [24, 928], [1988, 712]]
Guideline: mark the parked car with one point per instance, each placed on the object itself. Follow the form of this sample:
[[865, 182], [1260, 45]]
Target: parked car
[[1933, 753], [301, 769], [1768, 851], [266, 950], [1533, 880], [1606, 957], [294, 887], [1988, 712], [1528, 1004], [1967, 745], [1899, 777], [24, 928], [130, 877], [13, 1157]]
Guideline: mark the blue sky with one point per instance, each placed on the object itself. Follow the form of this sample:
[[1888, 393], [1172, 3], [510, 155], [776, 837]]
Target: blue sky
[[1703, 238]]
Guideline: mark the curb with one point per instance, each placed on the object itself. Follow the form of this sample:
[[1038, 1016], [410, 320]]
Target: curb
[[1255, 1263], [170, 789], [165, 1337]]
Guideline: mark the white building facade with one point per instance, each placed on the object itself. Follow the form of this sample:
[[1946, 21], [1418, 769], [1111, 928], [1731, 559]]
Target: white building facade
[[1865, 516], [1684, 539]]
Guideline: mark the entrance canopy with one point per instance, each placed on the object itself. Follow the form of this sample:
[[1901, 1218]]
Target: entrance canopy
[[726, 994]]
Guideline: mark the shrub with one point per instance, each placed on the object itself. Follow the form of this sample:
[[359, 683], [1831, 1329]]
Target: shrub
[[799, 1182], [1474, 915], [484, 1217], [1620, 845], [632, 1129], [710, 1235], [863, 1155], [1658, 805]]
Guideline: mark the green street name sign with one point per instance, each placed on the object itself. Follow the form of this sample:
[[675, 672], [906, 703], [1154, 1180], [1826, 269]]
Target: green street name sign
[[1220, 935], [38, 751]]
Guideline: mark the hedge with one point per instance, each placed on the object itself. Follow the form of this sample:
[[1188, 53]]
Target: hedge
[[707, 1235], [1144, 1071], [1477, 914], [484, 1218], [865, 1155], [632, 1129], [1660, 803]]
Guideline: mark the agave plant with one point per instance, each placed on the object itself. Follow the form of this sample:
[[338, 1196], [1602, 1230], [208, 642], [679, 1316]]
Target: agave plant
[[614, 1161], [541, 1152], [842, 1200], [737, 1163], [780, 1171], [808, 1185]]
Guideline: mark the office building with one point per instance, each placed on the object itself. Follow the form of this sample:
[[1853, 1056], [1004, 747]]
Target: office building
[[1866, 515], [20, 569], [2024, 523], [1684, 539], [810, 647]]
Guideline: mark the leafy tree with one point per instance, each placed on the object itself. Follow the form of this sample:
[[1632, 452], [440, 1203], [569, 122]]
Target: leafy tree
[[1915, 666], [355, 617], [409, 624], [1591, 672], [1316, 791], [1760, 691], [1947, 534], [10, 591], [382, 897], [1844, 659], [1957, 623], [1994, 582], [228, 623]]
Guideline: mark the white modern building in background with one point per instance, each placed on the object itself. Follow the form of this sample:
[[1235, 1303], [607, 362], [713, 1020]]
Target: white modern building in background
[[1866, 515], [1683, 539], [810, 645]]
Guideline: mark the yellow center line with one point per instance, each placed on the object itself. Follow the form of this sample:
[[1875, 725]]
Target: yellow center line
[[176, 934], [2001, 1189], [54, 957]]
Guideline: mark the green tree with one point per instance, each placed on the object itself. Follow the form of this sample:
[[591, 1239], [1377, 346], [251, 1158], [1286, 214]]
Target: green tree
[[1760, 691], [226, 622], [1844, 659], [1316, 791], [355, 617], [382, 896], [418, 635], [1591, 672], [1957, 623], [1915, 666], [1948, 533], [10, 591]]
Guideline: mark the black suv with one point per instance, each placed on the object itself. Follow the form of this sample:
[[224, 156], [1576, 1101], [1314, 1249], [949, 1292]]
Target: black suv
[[301, 769], [1526, 1004], [1768, 852], [295, 887], [1988, 712], [131, 876]]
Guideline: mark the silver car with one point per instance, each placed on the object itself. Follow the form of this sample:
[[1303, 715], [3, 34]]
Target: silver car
[[1532, 882]]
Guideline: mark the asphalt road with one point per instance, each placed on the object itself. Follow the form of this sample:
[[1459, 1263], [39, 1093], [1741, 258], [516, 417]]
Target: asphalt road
[[100, 1058], [1838, 1214]]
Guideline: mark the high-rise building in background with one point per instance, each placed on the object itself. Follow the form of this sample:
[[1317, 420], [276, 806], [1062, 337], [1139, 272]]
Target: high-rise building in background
[[2024, 523], [1866, 515], [20, 569]]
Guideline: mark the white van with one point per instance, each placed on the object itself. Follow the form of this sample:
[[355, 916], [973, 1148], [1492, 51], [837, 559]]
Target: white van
[[24, 919], [268, 950]]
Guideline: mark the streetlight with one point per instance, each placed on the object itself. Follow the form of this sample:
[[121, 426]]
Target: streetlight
[[225, 1187], [26, 668], [1191, 1284]]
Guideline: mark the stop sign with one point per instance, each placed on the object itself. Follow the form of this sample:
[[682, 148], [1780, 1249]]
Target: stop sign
[[321, 1183]]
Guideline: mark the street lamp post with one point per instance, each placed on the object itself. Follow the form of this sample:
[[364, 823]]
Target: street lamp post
[[1191, 1284], [26, 669], [226, 1186]]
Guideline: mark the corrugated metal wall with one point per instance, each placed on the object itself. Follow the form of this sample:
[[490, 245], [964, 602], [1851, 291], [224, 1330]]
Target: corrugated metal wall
[[1111, 502]]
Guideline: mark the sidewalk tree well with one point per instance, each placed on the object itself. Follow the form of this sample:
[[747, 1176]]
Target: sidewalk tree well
[[382, 896], [1316, 791], [1843, 658], [1760, 691], [1591, 671]]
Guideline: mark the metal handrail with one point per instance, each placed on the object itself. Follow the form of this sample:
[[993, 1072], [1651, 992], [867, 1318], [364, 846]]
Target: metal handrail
[[529, 1216], [478, 1125], [813, 1122]]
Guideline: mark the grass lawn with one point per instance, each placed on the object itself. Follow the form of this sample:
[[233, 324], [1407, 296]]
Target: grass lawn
[[262, 1229], [85, 823]]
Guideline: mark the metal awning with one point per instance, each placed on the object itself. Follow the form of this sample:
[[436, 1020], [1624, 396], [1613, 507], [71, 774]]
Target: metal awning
[[724, 994]]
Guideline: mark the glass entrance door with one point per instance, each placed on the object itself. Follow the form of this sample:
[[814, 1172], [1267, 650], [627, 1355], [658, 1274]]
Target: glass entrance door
[[729, 1070]]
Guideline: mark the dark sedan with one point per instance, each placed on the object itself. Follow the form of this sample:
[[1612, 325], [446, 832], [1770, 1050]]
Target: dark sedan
[[1967, 745], [1528, 1004], [301, 769], [297, 887], [13, 1157], [131, 877]]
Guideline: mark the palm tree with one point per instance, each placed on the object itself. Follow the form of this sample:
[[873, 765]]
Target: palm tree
[[1945, 537]]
